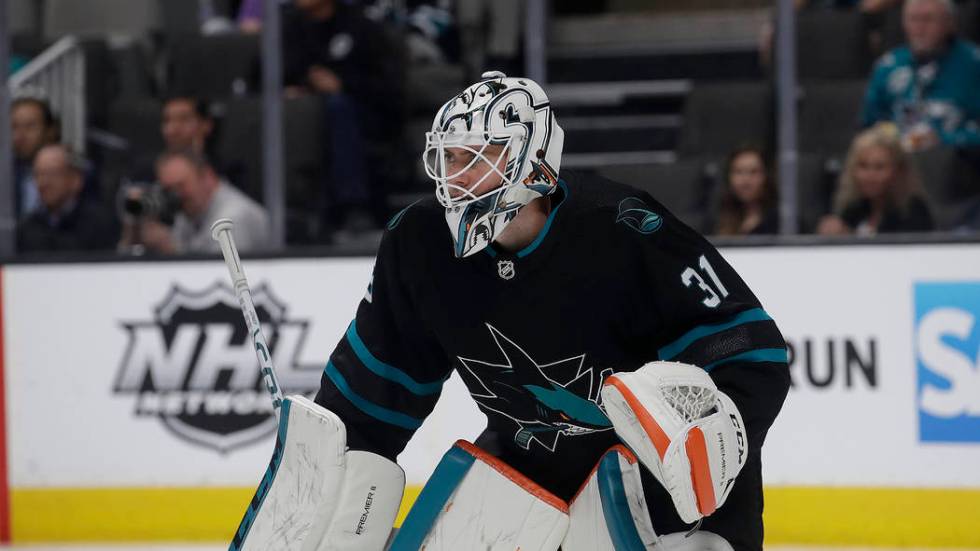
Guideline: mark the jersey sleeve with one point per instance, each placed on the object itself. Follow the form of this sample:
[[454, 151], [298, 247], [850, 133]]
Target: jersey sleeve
[[703, 313], [386, 373]]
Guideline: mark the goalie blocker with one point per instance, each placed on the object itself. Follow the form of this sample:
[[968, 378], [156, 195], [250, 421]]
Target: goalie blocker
[[317, 495]]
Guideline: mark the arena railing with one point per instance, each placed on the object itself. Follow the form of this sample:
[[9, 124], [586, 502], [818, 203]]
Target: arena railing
[[59, 74]]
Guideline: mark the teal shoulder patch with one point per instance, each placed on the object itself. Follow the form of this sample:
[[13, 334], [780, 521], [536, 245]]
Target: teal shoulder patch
[[396, 219], [637, 215]]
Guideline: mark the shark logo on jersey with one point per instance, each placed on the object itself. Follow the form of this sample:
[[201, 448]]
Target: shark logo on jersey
[[531, 395], [636, 214]]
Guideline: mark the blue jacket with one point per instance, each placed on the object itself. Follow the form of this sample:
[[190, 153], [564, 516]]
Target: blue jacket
[[944, 93]]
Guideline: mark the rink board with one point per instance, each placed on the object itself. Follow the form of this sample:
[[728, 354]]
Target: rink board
[[133, 410]]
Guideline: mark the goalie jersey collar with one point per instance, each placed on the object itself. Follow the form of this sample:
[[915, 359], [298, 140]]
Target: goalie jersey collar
[[508, 266]]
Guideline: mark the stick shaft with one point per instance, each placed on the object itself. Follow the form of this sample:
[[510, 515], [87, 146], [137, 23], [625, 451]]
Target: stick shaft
[[221, 232]]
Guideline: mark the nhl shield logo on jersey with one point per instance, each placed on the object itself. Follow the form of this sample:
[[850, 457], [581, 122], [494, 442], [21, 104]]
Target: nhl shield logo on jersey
[[546, 401], [193, 367], [505, 269]]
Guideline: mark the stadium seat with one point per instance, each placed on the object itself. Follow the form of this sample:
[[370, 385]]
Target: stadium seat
[[137, 120], [431, 85], [183, 17], [968, 19], [215, 67], [831, 44], [829, 115], [23, 17], [950, 181], [679, 186], [816, 183], [719, 117], [239, 146], [133, 18]]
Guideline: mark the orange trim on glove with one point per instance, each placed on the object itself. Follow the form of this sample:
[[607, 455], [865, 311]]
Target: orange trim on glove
[[697, 454], [652, 428]]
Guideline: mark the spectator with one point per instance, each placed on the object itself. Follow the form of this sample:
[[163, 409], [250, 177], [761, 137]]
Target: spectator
[[250, 15], [865, 6], [879, 190], [331, 49], [64, 219], [32, 127], [749, 201], [203, 198], [929, 87], [185, 123]]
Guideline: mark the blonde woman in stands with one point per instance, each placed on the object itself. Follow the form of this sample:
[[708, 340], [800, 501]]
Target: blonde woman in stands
[[879, 190], [749, 200]]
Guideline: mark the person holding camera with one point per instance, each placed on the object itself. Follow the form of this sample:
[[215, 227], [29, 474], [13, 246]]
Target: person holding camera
[[64, 220], [193, 196]]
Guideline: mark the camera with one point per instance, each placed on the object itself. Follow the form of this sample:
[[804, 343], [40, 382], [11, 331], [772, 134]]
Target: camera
[[142, 200]]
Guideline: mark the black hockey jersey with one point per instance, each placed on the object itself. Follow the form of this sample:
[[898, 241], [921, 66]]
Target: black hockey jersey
[[612, 281]]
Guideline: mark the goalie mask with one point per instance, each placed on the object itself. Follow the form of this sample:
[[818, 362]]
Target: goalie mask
[[493, 149]]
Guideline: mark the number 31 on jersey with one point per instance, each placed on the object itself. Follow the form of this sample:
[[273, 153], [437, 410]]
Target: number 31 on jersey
[[716, 293]]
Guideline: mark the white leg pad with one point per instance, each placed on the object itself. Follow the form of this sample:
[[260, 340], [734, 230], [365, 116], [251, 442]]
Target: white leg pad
[[365, 507], [475, 501], [609, 512], [315, 494]]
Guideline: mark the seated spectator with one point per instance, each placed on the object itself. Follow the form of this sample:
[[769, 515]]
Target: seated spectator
[[185, 123], [203, 198], [749, 199], [332, 50], [865, 6], [32, 127], [879, 190], [64, 220], [929, 87], [250, 15]]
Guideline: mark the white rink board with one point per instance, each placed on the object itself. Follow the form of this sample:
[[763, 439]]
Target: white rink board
[[860, 435], [66, 339]]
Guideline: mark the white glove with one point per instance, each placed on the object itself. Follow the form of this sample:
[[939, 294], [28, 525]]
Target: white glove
[[686, 431]]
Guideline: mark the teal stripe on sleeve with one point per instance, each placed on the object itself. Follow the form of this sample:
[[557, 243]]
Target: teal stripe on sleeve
[[761, 355], [386, 371], [374, 410], [674, 349]]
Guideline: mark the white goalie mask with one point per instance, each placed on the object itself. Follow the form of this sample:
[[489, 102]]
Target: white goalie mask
[[492, 149]]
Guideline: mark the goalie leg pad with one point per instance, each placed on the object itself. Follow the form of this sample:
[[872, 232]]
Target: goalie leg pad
[[316, 495], [475, 501], [361, 516], [609, 512]]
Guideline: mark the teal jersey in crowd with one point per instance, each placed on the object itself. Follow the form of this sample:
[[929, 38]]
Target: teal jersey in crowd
[[943, 92]]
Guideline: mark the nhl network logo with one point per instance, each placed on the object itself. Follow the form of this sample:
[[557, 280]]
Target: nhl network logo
[[193, 366]]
